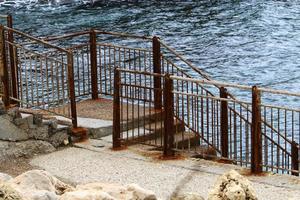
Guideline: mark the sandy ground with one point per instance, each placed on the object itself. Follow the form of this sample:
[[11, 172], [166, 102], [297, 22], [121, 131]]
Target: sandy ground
[[96, 162], [15, 167]]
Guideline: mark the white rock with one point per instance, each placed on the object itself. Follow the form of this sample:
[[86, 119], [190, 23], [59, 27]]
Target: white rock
[[36, 183], [187, 196], [234, 191], [7, 192], [114, 190], [43, 195], [4, 177], [139, 193], [86, 195], [232, 186]]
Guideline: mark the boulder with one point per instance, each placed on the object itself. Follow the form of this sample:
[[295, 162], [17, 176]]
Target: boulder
[[23, 149], [59, 138], [43, 195], [9, 131], [139, 193], [39, 185], [4, 177], [7, 192], [86, 195], [114, 190], [232, 186], [187, 196]]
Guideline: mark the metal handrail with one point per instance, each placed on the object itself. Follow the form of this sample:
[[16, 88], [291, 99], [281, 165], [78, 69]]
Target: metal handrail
[[35, 39]]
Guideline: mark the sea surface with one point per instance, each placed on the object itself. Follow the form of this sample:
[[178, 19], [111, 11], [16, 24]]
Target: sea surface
[[251, 42]]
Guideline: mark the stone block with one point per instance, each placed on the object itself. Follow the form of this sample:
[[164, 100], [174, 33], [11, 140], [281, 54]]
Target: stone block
[[9, 131]]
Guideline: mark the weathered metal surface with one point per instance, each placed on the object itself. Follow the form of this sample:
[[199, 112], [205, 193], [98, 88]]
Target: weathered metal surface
[[94, 72], [72, 89], [169, 117], [224, 123], [256, 138], [4, 76], [116, 111], [295, 159], [157, 69]]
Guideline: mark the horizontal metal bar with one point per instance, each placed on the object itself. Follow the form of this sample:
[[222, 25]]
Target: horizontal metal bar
[[142, 87], [140, 72], [280, 107], [35, 53], [211, 97], [66, 36], [36, 39], [210, 82], [123, 35], [204, 75], [224, 84], [123, 47], [31, 105], [78, 46]]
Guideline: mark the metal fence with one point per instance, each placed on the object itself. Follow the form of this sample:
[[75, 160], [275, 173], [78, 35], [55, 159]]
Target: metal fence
[[193, 120], [37, 74], [54, 72]]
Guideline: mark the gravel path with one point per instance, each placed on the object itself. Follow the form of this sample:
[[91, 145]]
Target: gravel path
[[91, 164]]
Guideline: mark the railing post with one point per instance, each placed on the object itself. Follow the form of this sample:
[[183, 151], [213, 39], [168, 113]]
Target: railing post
[[224, 123], [3, 68], [256, 139], [72, 88], [12, 58], [169, 117], [157, 69], [295, 158], [93, 57], [116, 111]]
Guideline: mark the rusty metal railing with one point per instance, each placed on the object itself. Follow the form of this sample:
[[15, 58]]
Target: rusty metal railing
[[54, 72], [193, 120], [36, 76]]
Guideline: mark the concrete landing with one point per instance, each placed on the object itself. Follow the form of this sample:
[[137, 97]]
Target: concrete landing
[[98, 163], [96, 127]]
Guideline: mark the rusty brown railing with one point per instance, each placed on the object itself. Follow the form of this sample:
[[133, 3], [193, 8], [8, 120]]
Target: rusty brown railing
[[35, 75], [193, 120], [54, 72]]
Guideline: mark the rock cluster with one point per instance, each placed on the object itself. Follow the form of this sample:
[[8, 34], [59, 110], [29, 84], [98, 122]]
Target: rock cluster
[[232, 186], [25, 135], [17, 127], [28, 148], [40, 185]]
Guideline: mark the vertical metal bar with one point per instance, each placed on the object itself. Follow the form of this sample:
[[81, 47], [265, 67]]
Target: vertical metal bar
[[72, 88], [224, 123], [116, 110], [93, 55], [12, 59], [157, 69], [169, 117], [256, 142], [3, 68], [295, 158]]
